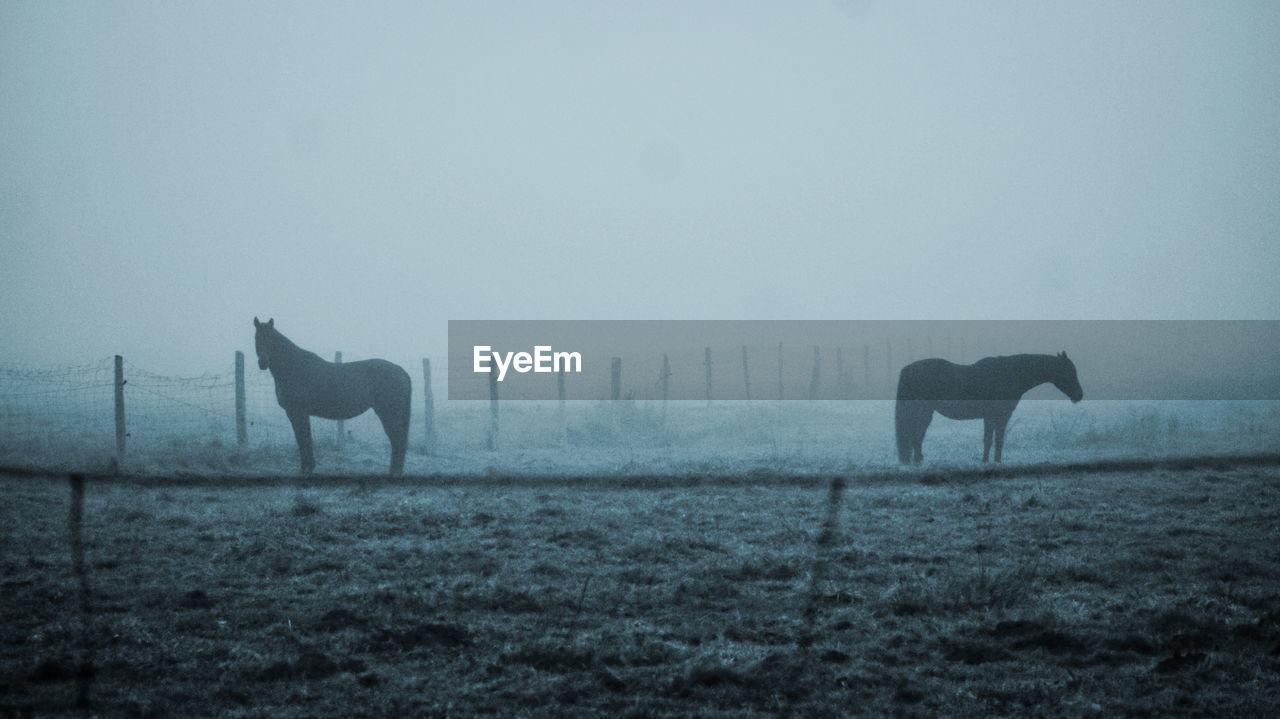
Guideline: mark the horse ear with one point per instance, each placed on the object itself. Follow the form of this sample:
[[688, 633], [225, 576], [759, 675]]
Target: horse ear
[[256, 323], [271, 323]]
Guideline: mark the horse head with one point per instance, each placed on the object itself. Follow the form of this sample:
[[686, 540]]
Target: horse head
[[264, 340], [1066, 379]]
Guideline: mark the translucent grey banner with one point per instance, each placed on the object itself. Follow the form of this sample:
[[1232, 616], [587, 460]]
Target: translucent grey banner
[[849, 359]]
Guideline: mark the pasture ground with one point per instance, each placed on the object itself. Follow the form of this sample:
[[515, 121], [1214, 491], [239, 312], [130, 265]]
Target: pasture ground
[[1152, 593]]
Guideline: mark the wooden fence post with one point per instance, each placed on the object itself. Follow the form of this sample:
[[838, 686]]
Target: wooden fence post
[[746, 373], [492, 443], [562, 415], [120, 433], [817, 368], [664, 380], [242, 433], [888, 365], [615, 379], [337, 359], [866, 371], [779, 370], [707, 363], [842, 380], [429, 409]]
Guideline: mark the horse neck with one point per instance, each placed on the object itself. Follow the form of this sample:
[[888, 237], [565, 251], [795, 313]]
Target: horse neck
[[285, 355], [1037, 370]]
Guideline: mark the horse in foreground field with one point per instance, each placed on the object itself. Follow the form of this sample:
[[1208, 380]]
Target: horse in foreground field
[[308, 386], [988, 389]]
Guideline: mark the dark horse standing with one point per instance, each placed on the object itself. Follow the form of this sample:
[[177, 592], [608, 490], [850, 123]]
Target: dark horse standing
[[988, 389], [307, 385]]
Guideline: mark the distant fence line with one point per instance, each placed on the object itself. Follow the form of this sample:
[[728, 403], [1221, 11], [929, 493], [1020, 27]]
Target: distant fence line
[[824, 373]]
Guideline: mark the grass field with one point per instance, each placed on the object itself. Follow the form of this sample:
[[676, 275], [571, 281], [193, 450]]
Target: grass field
[[1140, 593]]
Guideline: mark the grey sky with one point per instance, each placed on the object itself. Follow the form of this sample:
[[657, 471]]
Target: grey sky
[[365, 172]]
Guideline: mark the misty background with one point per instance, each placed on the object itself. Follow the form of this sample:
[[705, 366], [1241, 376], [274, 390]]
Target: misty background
[[364, 173]]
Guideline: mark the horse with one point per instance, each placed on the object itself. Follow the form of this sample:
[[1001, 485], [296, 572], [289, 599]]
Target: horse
[[988, 389], [308, 386]]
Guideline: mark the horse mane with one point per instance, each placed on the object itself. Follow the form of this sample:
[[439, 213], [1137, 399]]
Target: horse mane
[[284, 340]]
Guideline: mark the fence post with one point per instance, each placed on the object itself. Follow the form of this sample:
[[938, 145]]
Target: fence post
[[120, 434], [664, 379], [779, 370], [888, 365], [493, 409], [707, 363], [842, 381], [337, 359], [746, 374], [866, 372], [242, 433], [429, 409], [615, 379], [817, 368], [563, 417]]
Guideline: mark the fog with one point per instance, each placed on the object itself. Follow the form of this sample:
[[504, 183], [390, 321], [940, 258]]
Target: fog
[[365, 173]]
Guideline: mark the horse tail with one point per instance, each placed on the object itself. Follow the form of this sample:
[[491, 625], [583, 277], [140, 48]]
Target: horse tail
[[901, 431], [394, 398], [904, 419]]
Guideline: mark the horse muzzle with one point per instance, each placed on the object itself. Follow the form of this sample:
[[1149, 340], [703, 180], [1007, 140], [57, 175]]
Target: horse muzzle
[[262, 363]]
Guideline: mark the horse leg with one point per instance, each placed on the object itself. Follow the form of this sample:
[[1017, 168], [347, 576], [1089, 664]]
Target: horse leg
[[988, 428], [395, 422], [301, 422], [1001, 424], [911, 419], [926, 416], [903, 429]]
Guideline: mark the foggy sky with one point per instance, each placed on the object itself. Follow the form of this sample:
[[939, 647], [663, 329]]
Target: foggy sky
[[365, 172]]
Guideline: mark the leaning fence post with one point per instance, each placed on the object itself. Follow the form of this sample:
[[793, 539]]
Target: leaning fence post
[[242, 434], [337, 359], [746, 374], [429, 409], [615, 379], [120, 434], [493, 409]]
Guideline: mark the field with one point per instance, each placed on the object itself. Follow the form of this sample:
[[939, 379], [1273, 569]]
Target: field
[[950, 591]]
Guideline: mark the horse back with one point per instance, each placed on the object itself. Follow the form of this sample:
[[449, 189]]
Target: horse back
[[344, 390], [958, 391]]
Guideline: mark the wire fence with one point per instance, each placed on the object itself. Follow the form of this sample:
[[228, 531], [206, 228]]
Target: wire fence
[[64, 416]]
